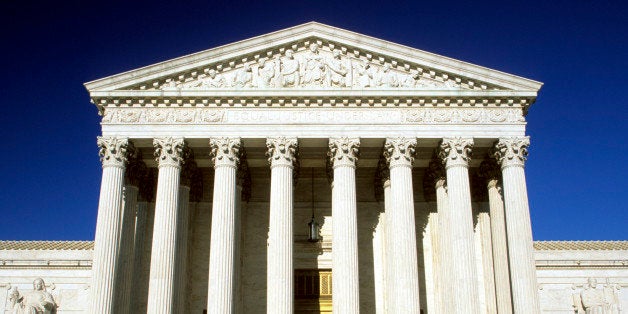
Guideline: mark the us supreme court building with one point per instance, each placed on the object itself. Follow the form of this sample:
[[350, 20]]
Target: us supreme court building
[[316, 170]]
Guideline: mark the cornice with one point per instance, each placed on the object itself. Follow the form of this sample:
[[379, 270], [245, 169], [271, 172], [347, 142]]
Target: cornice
[[46, 264], [579, 264], [316, 93]]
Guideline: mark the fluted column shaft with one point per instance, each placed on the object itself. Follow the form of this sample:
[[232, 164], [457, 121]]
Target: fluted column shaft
[[125, 279], [225, 154], [401, 244], [387, 265], [442, 204], [511, 154], [500, 248], [436, 178], [484, 227], [138, 252], [182, 249], [162, 283], [379, 264], [280, 270], [113, 153], [457, 229], [238, 295], [381, 256], [346, 292]]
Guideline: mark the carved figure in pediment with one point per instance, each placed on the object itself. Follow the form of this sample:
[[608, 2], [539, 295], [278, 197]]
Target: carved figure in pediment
[[387, 78], [265, 73], [596, 300], [289, 69], [38, 301], [213, 79], [314, 67], [170, 85], [338, 70], [243, 77], [451, 84], [409, 80], [426, 83], [366, 74]]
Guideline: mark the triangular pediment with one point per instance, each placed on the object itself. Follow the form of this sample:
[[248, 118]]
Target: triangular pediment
[[311, 57]]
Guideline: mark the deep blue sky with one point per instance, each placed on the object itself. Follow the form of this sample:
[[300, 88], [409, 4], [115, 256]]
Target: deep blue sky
[[577, 168]]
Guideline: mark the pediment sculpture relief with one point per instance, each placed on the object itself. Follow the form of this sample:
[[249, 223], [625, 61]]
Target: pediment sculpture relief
[[38, 301], [597, 299], [312, 68]]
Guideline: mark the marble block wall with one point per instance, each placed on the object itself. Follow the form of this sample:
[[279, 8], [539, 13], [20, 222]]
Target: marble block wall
[[66, 273]]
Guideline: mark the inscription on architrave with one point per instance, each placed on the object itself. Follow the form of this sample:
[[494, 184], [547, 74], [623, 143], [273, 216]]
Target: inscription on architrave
[[353, 116]]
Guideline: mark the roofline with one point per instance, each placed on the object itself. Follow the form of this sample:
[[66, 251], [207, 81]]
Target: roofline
[[595, 245], [303, 31]]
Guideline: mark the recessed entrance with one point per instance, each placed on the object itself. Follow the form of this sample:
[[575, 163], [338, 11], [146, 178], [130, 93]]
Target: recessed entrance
[[312, 291]]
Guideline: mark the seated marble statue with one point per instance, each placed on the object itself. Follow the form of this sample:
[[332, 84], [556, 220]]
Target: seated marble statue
[[39, 301]]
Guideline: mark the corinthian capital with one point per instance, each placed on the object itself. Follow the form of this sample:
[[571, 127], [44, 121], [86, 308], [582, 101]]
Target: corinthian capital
[[343, 151], [511, 151], [399, 151], [113, 151], [281, 151], [225, 151], [456, 151], [169, 151]]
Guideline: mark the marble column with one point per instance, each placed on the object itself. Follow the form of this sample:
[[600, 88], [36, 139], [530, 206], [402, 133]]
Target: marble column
[[511, 154], [135, 172], [486, 253], [343, 155], [162, 282], [182, 248], [221, 286], [380, 255], [436, 179], [113, 154], [401, 241], [243, 194], [189, 173], [124, 280], [379, 266], [142, 241], [456, 221], [138, 253], [281, 153], [489, 170]]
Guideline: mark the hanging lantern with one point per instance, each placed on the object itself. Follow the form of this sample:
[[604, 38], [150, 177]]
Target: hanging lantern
[[313, 225]]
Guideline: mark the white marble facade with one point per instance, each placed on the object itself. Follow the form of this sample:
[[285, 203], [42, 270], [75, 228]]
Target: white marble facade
[[411, 163]]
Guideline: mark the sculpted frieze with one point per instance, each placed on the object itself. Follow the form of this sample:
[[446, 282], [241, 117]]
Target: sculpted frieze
[[314, 65], [465, 115], [171, 115], [162, 115]]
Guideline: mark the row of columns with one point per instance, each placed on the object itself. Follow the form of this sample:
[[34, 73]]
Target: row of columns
[[513, 271], [454, 266]]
